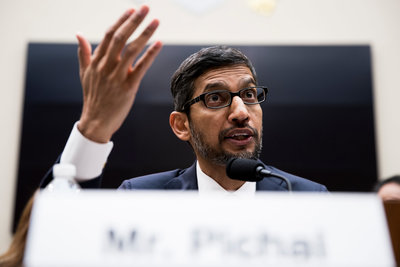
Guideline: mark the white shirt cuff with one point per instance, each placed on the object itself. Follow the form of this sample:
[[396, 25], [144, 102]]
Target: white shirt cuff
[[88, 157]]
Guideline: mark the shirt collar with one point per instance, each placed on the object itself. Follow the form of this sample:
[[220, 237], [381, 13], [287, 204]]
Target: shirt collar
[[208, 185]]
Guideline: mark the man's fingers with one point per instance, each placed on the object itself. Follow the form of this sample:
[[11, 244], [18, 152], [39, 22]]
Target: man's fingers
[[122, 35], [103, 46], [144, 63], [84, 53], [134, 48]]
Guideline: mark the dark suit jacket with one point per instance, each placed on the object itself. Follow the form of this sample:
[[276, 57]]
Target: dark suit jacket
[[186, 179]]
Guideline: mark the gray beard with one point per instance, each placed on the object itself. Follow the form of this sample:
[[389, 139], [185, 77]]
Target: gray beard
[[222, 157]]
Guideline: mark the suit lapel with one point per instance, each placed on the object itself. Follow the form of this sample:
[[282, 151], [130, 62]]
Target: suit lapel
[[186, 180], [270, 184]]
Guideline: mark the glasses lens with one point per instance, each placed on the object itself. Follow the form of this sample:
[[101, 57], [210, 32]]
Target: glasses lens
[[217, 99], [260, 94], [252, 95]]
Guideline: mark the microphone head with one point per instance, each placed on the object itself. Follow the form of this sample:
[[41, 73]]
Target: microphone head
[[243, 169]]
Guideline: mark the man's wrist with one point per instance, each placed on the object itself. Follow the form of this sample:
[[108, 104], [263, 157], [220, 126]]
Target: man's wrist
[[94, 132]]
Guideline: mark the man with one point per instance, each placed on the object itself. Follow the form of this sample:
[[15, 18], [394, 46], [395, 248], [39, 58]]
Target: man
[[217, 111]]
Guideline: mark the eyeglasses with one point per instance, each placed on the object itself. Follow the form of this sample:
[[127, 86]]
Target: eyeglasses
[[223, 98]]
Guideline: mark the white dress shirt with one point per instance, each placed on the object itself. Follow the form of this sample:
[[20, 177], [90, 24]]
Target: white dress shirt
[[208, 185], [88, 157]]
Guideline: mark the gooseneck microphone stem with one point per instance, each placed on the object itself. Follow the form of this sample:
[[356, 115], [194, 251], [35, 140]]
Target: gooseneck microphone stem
[[252, 171], [264, 172]]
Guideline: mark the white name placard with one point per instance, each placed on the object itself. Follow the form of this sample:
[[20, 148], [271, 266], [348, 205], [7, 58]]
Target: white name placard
[[143, 228]]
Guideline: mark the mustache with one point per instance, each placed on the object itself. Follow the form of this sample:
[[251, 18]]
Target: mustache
[[223, 133]]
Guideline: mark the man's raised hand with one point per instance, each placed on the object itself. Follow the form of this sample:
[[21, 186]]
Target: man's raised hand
[[109, 80]]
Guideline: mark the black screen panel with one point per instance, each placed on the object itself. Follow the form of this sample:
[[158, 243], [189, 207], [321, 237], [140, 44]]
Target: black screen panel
[[318, 118]]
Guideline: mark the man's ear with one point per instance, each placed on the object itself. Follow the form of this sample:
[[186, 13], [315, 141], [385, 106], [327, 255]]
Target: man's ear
[[179, 123]]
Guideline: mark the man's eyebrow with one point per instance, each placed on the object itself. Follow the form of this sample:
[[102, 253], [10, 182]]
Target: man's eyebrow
[[215, 85], [244, 82], [247, 81]]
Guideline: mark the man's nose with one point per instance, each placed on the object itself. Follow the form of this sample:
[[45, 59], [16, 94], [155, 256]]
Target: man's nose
[[238, 111]]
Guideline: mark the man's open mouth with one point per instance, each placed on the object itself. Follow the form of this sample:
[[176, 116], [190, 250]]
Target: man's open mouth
[[239, 134]]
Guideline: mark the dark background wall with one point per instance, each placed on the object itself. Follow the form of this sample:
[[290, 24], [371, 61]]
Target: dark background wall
[[318, 118]]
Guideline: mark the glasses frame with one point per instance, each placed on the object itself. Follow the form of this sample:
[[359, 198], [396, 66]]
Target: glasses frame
[[232, 94]]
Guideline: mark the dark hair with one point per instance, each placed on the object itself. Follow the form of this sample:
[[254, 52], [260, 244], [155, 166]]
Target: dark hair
[[182, 82], [393, 179]]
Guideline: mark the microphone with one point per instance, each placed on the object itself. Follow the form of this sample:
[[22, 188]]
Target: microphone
[[251, 170]]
